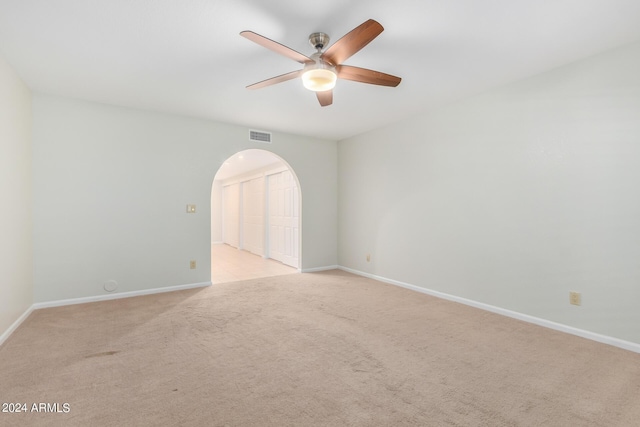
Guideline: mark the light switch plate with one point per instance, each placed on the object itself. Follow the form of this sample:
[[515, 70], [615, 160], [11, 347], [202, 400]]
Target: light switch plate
[[575, 298], [191, 208]]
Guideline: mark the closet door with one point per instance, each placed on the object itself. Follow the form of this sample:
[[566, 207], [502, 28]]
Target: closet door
[[253, 216], [283, 218], [231, 215]]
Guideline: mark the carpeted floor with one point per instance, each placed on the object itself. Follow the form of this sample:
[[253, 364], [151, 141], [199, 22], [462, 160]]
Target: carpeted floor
[[308, 349]]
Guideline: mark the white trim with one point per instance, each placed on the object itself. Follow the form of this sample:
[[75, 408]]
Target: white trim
[[15, 325], [627, 345], [119, 295], [316, 269], [217, 243]]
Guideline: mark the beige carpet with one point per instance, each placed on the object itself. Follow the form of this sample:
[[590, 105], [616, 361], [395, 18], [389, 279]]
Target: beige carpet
[[309, 349]]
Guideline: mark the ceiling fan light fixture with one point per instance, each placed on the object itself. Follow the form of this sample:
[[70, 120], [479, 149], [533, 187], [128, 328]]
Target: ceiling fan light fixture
[[323, 68], [319, 79], [319, 76]]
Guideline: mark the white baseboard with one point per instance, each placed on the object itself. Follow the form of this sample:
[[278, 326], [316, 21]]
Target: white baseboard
[[627, 345], [118, 295], [317, 269], [6, 334]]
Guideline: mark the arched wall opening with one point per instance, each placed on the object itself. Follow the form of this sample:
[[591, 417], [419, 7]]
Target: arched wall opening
[[256, 217]]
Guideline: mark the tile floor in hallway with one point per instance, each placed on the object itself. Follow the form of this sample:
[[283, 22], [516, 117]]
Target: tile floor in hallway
[[229, 264]]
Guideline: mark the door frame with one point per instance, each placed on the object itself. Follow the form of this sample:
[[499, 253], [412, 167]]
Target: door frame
[[268, 170]]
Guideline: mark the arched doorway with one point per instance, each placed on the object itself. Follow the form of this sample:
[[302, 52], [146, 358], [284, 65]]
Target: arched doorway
[[255, 218]]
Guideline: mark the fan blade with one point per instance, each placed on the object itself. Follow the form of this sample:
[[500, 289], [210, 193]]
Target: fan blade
[[273, 80], [364, 75], [325, 98], [276, 47], [352, 42]]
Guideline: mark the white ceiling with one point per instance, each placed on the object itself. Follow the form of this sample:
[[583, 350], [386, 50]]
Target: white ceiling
[[186, 56]]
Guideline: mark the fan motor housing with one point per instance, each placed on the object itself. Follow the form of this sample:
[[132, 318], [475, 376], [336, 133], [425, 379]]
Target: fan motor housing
[[319, 40]]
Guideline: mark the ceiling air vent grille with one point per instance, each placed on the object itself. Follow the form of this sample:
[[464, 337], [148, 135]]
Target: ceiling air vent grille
[[260, 136]]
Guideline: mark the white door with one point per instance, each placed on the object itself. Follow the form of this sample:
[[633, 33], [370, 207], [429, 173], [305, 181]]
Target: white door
[[231, 215], [283, 218], [253, 216]]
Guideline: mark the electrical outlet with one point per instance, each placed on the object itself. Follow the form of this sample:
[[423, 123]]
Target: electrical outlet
[[192, 264], [575, 298], [191, 208], [368, 257]]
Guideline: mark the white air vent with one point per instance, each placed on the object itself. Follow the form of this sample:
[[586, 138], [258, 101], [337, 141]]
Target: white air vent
[[260, 136]]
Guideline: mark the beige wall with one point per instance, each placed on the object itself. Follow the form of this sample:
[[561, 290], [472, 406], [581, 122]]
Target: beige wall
[[16, 271], [111, 187], [512, 198]]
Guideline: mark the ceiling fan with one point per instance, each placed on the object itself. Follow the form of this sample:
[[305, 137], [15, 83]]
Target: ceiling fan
[[322, 69]]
